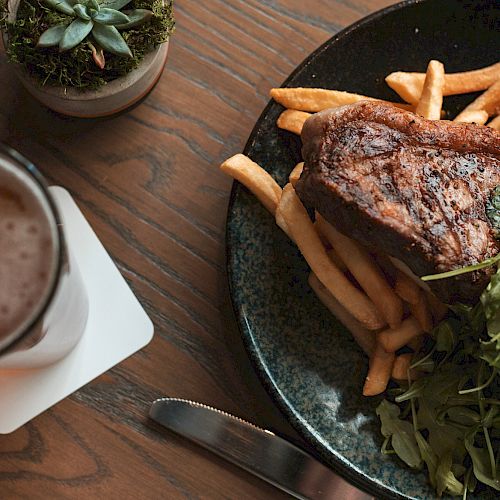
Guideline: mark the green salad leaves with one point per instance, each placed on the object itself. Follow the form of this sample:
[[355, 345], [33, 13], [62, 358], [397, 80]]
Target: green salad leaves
[[493, 211], [449, 418]]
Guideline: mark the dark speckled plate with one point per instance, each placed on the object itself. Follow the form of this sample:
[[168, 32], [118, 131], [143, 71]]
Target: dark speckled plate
[[304, 357]]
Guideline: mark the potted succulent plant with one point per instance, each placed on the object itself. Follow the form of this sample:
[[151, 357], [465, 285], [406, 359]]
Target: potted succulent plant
[[87, 58]]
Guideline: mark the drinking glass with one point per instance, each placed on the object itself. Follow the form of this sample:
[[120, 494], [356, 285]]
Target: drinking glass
[[41, 328]]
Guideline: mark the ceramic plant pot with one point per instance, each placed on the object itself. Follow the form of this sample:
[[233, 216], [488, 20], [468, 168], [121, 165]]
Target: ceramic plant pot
[[112, 98]]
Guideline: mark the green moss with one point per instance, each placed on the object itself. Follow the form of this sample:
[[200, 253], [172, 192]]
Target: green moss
[[76, 68]]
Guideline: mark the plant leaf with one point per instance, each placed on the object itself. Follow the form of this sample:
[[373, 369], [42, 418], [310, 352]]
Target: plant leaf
[[405, 444], [81, 12], [415, 390], [98, 56], [137, 17], [387, 413], [75, 33], [478, 318], [401, 432], [429, 457], [463, 415], [481, 463], [445, 335], [441, 438], [110, 39], [463, 311], [52, 36], [493, 211], [445, 479], [491, 356], [444, 385], [111, 17], [115, 4], [462, 270], [62, 6], [490, 299]]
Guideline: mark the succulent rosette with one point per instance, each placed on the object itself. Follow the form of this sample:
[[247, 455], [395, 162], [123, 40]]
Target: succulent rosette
[[99, 22]]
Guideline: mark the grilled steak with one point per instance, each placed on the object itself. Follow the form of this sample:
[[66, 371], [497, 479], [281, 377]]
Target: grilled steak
[[409, 187]]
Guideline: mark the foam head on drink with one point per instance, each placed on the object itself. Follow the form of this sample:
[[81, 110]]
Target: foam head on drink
[[28, 250]]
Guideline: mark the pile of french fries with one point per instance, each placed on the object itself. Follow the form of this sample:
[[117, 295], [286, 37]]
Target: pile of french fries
[[387, 310]]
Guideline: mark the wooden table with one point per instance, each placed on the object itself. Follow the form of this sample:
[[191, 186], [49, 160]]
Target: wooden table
[[149, 184]]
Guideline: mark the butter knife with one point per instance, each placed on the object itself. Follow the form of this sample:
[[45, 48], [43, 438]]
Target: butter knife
[[259, 451]]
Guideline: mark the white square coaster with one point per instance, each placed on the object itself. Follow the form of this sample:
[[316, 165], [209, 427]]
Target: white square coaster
[[117, 327]]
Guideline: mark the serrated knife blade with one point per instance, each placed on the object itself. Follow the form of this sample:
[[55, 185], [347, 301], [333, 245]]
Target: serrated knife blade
[[259, 451]]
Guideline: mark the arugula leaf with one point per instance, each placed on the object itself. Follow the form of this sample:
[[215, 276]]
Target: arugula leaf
[[442, 436], [415, 389], [463, 415], [491, 355], [445, 335], [493, 211], [401, 434], [445, 479], [481, 463], [428, 456], [462, 270], [490, 299]]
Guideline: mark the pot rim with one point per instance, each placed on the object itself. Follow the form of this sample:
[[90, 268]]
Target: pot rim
[[110, 88]]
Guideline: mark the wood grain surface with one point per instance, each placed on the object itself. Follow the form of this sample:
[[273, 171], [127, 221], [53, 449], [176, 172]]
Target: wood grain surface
[[149, 184]]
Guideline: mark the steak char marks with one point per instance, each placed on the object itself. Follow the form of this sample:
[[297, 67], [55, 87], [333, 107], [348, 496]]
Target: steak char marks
[[405, 186]]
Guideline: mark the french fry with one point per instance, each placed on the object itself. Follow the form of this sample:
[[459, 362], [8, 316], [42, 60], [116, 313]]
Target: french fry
[[401, 367], [401, 266], [255, 178], [479, 117], [409, 85], [393, 339], [296, 173], [488, 101], [366, 272], [334, 256], [282, 224], [386, 266], [292, 120], [305, 236], [314, 100], [364, 338], [379, 371], [406, 288], [495, 123], [323, 239], [422, 313], [431, 101]]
